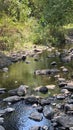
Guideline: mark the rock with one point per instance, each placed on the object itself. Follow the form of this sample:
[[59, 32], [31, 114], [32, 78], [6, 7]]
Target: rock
[[50, 86], [31, 100], [61, 79], [2, 128], [71, 128], [48, 112], [35, 128], [54, 63], [46, 71], [64, 91], [23, 57], [39, 108], [45, 128], [2, 112], [44, 102], [43, 90], [2, 90], [69, 87], [65, 70], [62, 84], [27, 62], [6, 110], [36, 116], [5, 69], [13, 92], [65, 120], [4, 60], [1, 120], [9, 110], [70, 101], [60, 97], [68, 107], [72, 96], [12, 99], [21, 90], [59, 106]]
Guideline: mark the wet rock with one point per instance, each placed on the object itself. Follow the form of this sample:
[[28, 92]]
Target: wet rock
[[68, 107], [2, 112], [31, 100], [21, 90], [43, 90], [65, 120], [12, 99], [35, 128], [9, 110], [2, 128], [1, 120], [48, 111], [45, 128], [6, 110], [36, 116], [39, 108]]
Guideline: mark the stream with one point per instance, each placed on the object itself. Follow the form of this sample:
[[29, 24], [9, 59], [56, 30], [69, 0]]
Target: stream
[[22, 73]]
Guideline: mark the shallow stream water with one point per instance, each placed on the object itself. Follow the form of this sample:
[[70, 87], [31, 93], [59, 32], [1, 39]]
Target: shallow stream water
[[21, 73]]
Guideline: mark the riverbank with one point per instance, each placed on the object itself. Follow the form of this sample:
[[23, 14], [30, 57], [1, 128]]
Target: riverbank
[[7, 58]]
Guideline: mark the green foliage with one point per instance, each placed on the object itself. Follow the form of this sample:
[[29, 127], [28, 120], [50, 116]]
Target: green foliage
[[36, 21]]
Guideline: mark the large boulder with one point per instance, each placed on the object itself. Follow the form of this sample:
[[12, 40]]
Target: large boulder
[[48, 111], [65, 120]]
